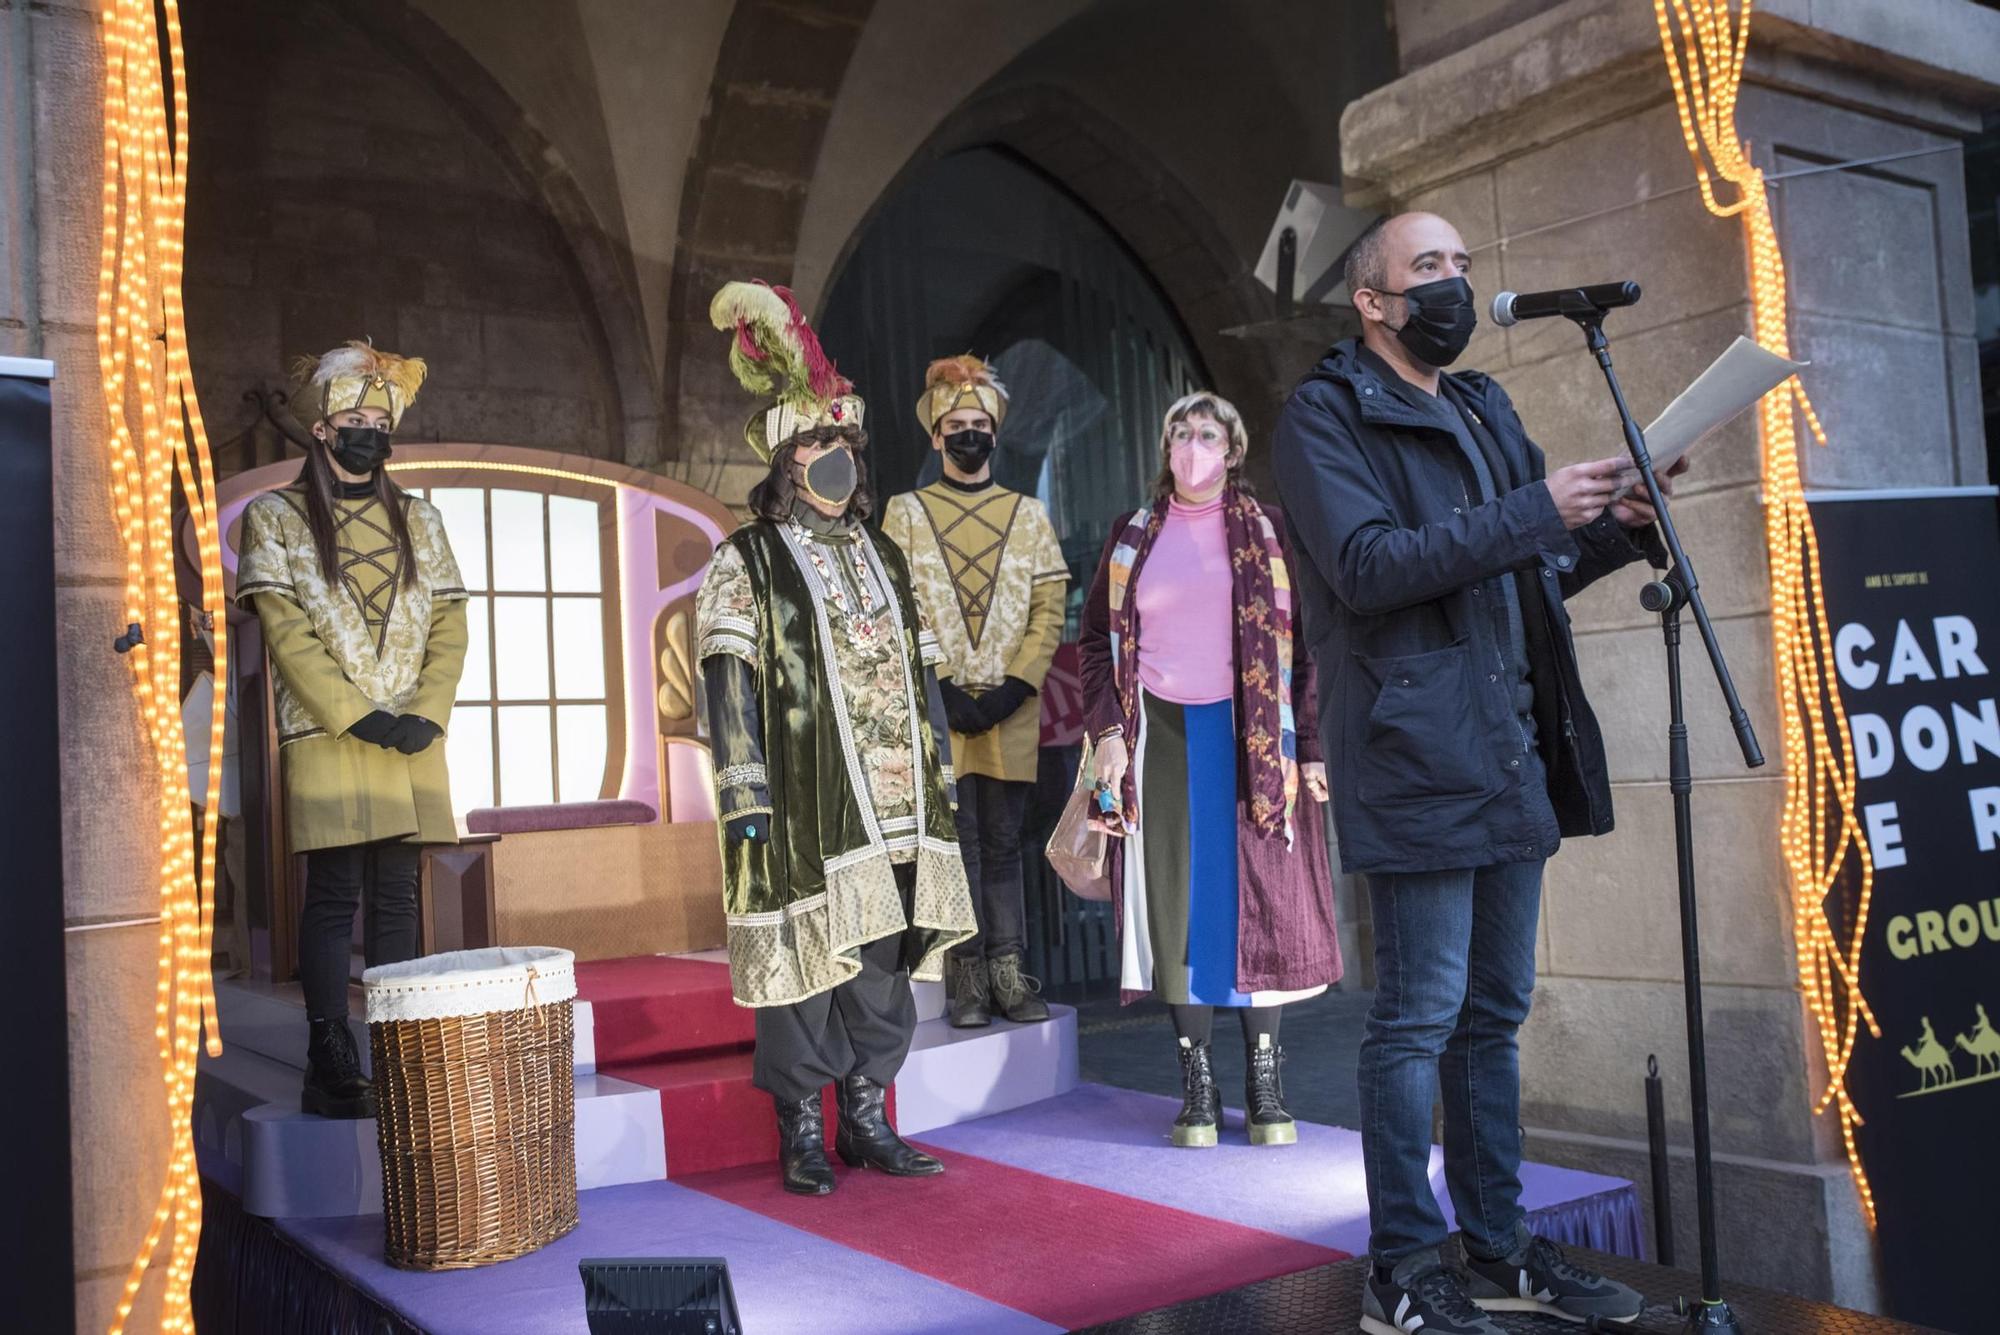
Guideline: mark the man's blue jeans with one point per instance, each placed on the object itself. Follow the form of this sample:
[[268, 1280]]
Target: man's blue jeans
[[1454, 967]]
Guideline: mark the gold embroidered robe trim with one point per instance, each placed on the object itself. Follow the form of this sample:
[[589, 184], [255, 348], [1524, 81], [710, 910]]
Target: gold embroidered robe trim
[[342, 651], [989, 575]]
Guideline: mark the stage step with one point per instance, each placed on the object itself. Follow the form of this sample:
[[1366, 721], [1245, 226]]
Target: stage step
[[663, 1085], [251, 1137], [270, 1021]]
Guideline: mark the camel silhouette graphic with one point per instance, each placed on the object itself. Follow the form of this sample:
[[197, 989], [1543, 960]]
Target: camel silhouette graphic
[[1932, 1058], [1983, 1043]]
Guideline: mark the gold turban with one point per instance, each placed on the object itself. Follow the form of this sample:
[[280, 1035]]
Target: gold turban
[[952, 383], [776, 354], [357, 375]]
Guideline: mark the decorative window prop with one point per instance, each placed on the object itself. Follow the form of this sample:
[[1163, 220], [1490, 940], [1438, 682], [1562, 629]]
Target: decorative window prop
[[1704, 42]]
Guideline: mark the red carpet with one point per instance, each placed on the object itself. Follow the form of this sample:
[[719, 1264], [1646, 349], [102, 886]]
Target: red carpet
[[669, 1023], [654, 1006], [1070, 1254]]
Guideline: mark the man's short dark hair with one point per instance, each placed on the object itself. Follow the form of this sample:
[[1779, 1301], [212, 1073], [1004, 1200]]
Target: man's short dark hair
[[1368, 259]]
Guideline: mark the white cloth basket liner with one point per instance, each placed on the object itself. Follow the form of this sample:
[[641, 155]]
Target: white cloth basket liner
[[469, 982]]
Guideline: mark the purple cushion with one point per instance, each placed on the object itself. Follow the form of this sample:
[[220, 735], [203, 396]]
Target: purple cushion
[[559, 816]]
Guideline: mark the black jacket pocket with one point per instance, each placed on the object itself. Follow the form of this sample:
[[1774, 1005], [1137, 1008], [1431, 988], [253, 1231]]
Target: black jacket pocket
[[1423, 742]]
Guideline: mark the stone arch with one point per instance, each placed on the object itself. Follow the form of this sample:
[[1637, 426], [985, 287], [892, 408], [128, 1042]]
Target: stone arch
[[599, 264], [1157, 217]]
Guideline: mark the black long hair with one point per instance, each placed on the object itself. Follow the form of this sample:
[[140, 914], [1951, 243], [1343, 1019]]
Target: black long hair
[[317, 481], [774, 497]]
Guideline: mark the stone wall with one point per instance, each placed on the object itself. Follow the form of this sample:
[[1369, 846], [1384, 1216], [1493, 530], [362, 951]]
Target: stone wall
[[335, 193]]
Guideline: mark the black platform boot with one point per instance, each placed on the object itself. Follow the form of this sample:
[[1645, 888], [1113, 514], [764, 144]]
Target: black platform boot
[[1201, 1106], [802, 1146], [1264, 1095], [1014, 992], [965, 989], [335, 1086], [865, 1138]]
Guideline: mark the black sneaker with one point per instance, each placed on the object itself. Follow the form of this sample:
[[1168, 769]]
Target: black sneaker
[[1433, 1301], [1538, 1278]]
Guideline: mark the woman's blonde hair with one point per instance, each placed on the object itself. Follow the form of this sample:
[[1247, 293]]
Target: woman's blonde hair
[[1209, 404]]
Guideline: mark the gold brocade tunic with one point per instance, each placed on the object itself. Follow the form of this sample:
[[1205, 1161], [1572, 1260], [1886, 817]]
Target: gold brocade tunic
[[989, 575], [342, 652]]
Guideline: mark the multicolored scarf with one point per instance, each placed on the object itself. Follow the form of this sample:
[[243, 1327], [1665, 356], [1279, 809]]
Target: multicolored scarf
[[1261, 586]]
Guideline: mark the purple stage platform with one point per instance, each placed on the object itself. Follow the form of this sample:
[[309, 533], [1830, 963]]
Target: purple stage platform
[[790, 1281]]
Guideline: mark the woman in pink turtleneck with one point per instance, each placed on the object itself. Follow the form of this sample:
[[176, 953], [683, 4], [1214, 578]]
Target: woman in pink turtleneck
[[1203, 720]]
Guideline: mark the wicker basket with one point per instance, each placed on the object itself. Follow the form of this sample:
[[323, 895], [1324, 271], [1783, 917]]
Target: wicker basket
[[474, 1084]]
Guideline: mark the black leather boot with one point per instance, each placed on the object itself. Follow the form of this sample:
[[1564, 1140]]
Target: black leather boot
[[335, 1086], [1014, 992], [1264, 1094], [865, 1138], [965, 989], [1201, 1106], [802, 1147]]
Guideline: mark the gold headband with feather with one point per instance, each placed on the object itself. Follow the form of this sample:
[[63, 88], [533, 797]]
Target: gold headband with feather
[[952, 383], [775, 354], [359, 375]]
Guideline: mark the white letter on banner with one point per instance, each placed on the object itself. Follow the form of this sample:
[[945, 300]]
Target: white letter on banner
[[1925, 741], [1885, 836], [1907, 659], [1958, 646], [1985, 817], [1976, 732], [1858, 672], [1874, 747]]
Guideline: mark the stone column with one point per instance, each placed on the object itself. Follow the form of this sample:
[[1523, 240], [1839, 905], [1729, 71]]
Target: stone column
[[1548, 134], [49, 160]]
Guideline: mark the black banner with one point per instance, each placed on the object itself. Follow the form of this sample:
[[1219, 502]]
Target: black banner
[[1912, 584]]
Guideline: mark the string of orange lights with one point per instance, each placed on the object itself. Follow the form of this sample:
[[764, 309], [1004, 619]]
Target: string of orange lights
[[1704, 44], [159, 451]]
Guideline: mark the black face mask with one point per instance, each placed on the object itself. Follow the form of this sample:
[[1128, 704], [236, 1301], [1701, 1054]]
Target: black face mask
[[969, 450], [359, 449], [830, 479], [1440, 321]]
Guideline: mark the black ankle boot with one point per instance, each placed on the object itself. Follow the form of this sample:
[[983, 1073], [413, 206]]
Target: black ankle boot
[[865, 1138], [965, 989], [802, 1147], [1201, 1106], [1014, 992], [1264, 1094], [335, 1086]]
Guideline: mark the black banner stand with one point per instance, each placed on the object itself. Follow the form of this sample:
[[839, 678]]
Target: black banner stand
[[35, 1050], [1669, 596]]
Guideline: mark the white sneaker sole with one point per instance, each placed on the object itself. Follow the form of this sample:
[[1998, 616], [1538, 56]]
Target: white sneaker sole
[[1545, 1309]]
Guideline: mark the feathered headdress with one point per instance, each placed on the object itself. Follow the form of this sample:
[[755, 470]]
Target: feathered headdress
[[359, 375], [775, 354], [960, 382]]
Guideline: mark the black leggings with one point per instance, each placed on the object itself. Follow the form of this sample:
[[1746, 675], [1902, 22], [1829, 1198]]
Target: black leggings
[[1195, 1023], [337, 881]]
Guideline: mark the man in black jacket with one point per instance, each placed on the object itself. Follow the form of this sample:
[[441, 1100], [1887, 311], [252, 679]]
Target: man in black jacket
[[1436, 552]]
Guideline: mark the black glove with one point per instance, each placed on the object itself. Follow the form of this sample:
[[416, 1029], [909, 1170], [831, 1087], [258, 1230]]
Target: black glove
[[379, 726], [998, 705], [414, 732], [961, 709], [749, 829]]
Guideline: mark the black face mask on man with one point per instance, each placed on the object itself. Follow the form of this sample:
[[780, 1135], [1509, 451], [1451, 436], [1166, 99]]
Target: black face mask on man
[[969, 450], [1440, 321], [359, 449], [830, 479]]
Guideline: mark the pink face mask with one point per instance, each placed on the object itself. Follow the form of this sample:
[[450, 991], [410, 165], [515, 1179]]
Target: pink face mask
[[1196, 467]]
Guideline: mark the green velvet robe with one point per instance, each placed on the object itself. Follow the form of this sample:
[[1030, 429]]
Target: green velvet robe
[[800, 905]]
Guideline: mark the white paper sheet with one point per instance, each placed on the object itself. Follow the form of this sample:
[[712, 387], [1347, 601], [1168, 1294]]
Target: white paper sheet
[[1743, 374]]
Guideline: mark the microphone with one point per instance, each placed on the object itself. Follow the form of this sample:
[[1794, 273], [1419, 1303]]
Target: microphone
[[1513, 307]]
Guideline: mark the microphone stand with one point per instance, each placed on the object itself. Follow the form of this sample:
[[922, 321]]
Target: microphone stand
[[1669, 596]]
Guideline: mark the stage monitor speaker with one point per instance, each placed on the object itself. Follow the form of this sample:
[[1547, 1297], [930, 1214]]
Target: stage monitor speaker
[[1324, 229], [659, 1295]]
